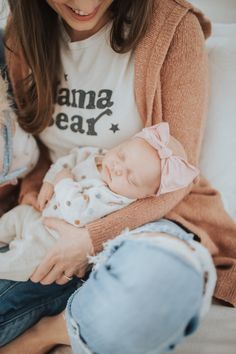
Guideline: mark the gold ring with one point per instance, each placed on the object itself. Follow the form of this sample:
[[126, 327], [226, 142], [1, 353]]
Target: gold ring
[[68, 278]]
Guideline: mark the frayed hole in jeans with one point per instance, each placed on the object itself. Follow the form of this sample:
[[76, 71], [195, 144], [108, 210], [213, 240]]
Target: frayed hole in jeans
[[191, 326], [224, 266], [109, 269]]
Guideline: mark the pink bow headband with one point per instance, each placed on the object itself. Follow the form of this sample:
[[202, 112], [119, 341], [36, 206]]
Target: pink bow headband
[[176, 172]]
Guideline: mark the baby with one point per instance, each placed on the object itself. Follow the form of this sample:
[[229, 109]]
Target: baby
[[18, 150], [88, 184]]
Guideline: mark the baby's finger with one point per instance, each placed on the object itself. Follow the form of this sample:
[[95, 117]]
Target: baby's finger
[[42, 202], [49, 195], [30, 199], [35, 204]]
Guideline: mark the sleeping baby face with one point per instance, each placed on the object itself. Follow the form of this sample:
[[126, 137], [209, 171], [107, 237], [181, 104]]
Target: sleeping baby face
[[132, 169]]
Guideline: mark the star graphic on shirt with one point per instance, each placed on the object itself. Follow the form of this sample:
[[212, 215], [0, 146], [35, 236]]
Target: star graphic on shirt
[[65, 77], [114, 128]]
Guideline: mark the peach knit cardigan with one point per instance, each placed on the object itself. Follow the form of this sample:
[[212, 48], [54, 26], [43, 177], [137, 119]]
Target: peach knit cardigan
[[171, 84]]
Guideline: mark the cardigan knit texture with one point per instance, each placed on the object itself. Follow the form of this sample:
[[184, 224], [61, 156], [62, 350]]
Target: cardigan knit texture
[[171, 85]]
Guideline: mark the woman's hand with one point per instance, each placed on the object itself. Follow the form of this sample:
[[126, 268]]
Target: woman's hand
[[30, 198], [45, 194], [68, 257]]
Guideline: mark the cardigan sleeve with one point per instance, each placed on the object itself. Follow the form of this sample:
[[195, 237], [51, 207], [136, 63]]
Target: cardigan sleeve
[[184, 92], [184, 80]]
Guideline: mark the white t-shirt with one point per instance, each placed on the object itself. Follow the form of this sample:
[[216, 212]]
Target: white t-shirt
[[95, 101]]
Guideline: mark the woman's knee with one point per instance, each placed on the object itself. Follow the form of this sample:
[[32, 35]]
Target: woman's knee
[[134, 299]]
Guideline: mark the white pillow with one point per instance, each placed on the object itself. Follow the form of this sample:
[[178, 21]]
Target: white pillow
[[218, 157], [220, 11], [3, 13]]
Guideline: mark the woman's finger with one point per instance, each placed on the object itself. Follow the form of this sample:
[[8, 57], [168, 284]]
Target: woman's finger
[[55, 273], [81, 272], [56, 224], [43, 269], [63, 279], [40, 202]]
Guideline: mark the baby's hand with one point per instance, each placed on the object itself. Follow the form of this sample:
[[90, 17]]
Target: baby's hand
[[30, 198], [45, 194], [64, 173]]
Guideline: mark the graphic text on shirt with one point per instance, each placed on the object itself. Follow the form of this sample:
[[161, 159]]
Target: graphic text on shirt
[[82, 100]]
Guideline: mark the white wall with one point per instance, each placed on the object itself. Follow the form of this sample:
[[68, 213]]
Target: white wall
[[3, 12], [219, 11]]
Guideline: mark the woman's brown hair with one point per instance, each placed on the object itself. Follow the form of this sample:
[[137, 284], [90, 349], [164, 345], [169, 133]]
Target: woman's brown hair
[[34, 31]]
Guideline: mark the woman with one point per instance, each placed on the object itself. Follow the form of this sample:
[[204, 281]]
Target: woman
[[99, 92]]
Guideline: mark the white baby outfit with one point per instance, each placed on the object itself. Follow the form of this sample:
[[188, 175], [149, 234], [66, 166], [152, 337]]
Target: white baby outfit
[[86, 197], [77, 201]]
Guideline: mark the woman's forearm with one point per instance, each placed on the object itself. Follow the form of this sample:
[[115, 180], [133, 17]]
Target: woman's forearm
[[132, 216]]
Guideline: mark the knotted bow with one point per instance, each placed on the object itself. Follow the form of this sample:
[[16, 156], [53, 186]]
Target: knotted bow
[[176, 172]]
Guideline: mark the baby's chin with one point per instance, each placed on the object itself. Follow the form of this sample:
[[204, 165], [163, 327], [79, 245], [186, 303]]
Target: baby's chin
[[120, 192]]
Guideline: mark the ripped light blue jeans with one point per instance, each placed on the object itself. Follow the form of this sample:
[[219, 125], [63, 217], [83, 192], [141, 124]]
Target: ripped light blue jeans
[[138, 299]]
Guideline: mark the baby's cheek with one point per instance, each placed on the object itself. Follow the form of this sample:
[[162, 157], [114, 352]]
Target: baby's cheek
[[115, 186], [118, 186]]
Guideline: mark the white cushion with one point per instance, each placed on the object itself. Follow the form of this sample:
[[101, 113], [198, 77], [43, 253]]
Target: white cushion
[[3, 13], [221, 11], [218, 159], [216, 334]]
